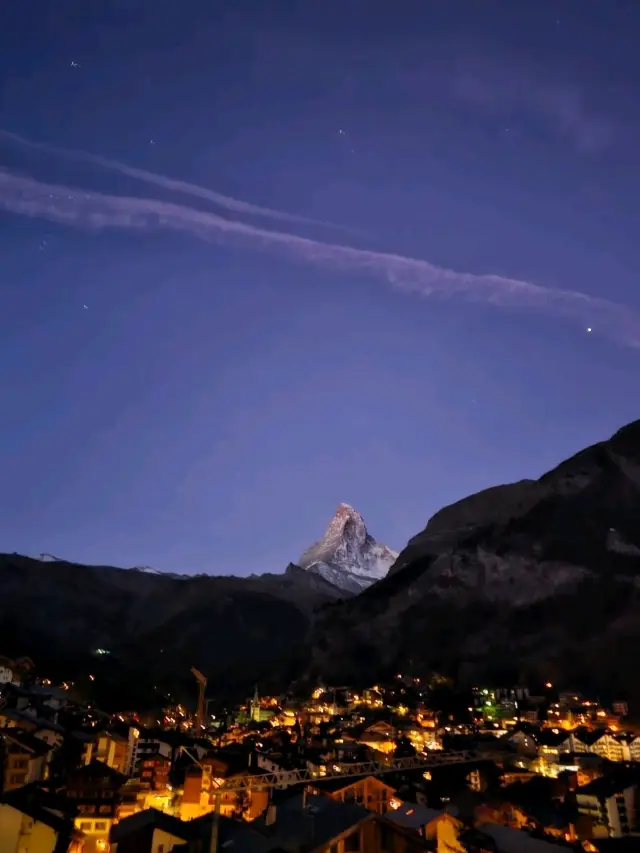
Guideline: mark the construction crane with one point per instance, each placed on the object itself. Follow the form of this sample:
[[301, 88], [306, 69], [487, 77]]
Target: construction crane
[[202, 686], [285, 778]]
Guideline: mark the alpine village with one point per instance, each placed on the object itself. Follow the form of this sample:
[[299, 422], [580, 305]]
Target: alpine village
[[477, 691]]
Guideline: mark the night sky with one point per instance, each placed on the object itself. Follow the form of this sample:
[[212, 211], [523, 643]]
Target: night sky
[[195, 384]]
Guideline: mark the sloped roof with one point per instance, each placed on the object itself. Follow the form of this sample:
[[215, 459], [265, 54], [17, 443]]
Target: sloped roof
[[29, 742], [548, 737], [152, 817], [313, 824], [338, 784], [510, 840], [37, 803], [613, 783], [415, 815], [98, 769]]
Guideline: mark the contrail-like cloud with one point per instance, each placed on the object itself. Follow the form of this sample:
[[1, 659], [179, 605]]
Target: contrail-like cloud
[[172, 184], [77, 207]]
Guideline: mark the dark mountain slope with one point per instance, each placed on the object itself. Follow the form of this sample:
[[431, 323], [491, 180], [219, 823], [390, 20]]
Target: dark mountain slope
[[59, 612], [537, 579]]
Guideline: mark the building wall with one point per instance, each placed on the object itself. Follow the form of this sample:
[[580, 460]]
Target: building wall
[[155, 772], [445, 830], [613, 818], [20, 834], [16, 769], [144, 747], [163, 841], [609, 747], [621, 811], [96, 830], [368, 792], [374, 837]]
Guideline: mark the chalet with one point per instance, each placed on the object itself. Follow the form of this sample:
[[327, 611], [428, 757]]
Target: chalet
[[109, 747], [154, 772], [368, 791], [554, 742], [311, 824], [25, 758], [439, 828], [508, 840], [605, 745], [202, 782], [154, 831], [523, 741], [36, 821], [634, 748], [148, 743], [609, 805], [95, 791], [286, 765], [538, 805], [150, 831], [379, 737]]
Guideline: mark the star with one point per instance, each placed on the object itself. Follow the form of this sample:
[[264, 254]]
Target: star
[[589, 329], [341, 132], [86, 307], [75, 64]]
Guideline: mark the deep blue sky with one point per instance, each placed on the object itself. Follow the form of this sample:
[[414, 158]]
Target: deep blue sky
[[213, 404]]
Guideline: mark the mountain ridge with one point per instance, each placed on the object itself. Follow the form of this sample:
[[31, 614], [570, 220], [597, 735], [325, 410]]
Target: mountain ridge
[[535, 579], [131, 612], [525, 582]]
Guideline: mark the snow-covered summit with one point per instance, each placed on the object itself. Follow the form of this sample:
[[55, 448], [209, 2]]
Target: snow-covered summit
[[347, 555]]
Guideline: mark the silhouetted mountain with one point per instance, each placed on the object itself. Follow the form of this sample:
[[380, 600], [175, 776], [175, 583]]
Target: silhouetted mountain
[[537, 580], [236, 630]]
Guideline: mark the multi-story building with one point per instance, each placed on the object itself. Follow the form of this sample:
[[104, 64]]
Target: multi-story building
[[34, 820], [94, 791], [23, 758], [555, 742], [607, 746], [147, 746], [368, 791], [113, 749], [609, 804], [154, 772]]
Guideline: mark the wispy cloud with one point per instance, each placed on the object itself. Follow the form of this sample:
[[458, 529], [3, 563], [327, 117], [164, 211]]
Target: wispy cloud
[[76, 207], [513, 91], [167, 183]]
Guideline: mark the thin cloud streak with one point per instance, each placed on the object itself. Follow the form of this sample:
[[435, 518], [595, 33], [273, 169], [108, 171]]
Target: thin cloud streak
[[71, 206], [511, 88], [172, 184]]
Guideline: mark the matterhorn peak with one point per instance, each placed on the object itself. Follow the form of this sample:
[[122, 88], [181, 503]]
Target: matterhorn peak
[[347, 555], [346, 522]]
